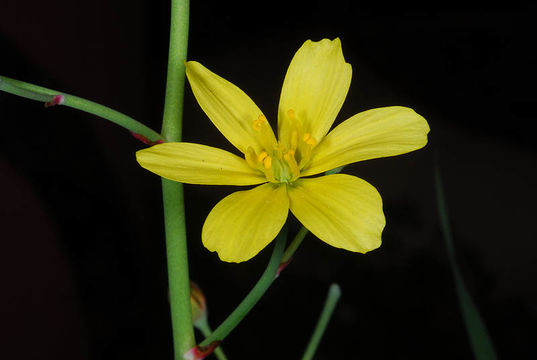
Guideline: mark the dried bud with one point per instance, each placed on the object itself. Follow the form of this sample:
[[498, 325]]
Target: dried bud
[[197, 305]]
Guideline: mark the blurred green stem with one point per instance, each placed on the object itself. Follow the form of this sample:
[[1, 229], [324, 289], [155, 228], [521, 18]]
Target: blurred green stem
[[334, 293], [172, 192]]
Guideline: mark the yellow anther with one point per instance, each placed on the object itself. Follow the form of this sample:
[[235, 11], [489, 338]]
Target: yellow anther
[[308, 139], [262, 156], [291, 113], [267, 162], [258, 124]]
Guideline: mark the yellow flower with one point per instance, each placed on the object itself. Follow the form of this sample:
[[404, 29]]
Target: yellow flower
[[341, 210]]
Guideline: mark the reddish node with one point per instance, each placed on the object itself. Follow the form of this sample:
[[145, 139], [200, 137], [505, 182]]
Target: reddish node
[[201, 352], [145, 140], [56, 100]]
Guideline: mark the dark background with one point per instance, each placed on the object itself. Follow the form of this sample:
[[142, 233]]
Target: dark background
[[82, 259]]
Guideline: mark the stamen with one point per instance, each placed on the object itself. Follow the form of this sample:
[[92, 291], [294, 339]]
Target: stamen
[[308, 139], [267, 162], [287, 157], [268, 170], [262, 156], [259, 123]]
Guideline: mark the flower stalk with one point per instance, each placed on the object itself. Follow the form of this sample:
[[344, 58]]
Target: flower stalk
[[254, 295], [293, 246]]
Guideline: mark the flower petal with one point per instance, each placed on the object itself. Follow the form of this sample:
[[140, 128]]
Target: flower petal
[[198, 164], [243, 223], [370, 134], [341, 210], [315, 87], [229, 108]]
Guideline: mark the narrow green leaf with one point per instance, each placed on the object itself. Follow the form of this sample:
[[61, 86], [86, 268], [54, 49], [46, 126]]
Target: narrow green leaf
[[478, 335]]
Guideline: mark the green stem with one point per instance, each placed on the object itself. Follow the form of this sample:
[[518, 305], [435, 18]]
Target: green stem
[[293, 246], [177, 259], [39, 93], [334, 293], [255, 294], [172, 192], [175, 84]]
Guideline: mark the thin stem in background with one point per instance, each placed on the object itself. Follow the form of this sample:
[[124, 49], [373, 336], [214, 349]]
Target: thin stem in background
[[172, 192], [334, 293]]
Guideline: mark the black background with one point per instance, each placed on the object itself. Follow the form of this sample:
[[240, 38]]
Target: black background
[[82, 259]]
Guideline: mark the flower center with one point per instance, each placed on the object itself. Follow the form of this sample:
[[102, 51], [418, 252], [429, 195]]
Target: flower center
[[281, 162]]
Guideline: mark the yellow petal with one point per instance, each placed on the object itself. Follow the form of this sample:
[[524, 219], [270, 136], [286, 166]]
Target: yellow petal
[[198, 164], [315, 87], [341, 210], [229, 108], [370, 134], [243, 223]]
